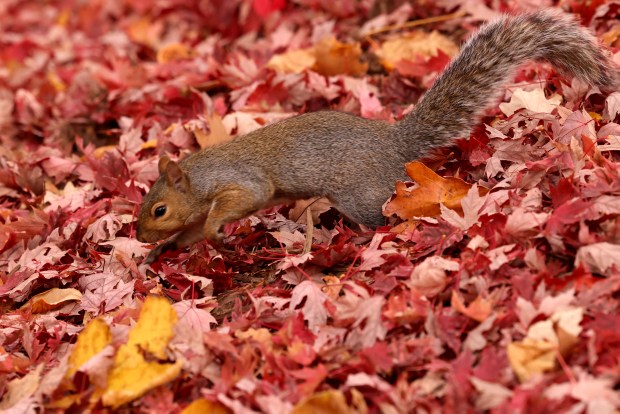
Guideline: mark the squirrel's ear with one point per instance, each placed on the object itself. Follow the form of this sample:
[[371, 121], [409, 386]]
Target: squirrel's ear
[[163, 162], [175, 176]]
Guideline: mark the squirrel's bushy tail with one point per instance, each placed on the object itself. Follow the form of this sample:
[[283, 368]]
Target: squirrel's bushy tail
[[472, 82]]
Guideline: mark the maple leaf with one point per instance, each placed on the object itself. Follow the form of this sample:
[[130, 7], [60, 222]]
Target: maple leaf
[[425, 199], [534, 101], [478, 310], [597, 393], [334, 58], [429, 277], [491, 395], [294, 61], [216, 134], [19, 395], [578, 124], [313, 303], [599, 257], [52, 299], [199, 319], [414, 45], [472, 205]]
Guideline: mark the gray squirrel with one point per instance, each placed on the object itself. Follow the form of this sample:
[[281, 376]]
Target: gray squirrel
[[353, 161]]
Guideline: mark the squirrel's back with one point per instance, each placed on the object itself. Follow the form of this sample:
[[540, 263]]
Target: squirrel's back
[[473, 80]]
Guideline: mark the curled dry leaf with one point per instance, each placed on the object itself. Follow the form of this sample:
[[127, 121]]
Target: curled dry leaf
[[429, 277], [52, 299]]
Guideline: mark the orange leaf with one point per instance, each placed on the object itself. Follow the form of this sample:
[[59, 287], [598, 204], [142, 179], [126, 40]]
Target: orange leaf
[[478, 310], [295, 61], [172, 52], [424, 200], [100, 151], [335, 58], [217, 132], [205, 406], [326, 402]]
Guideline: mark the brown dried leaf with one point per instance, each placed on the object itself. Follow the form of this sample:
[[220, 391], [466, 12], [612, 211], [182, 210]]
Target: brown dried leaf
[[52, 299]]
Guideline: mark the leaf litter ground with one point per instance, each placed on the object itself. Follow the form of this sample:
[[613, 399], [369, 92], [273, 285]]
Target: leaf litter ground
[[496, 289]]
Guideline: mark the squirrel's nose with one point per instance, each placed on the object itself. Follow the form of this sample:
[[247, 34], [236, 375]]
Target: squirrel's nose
[[140, 236]]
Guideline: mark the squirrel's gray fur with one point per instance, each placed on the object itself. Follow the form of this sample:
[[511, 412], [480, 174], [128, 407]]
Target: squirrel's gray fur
[[355, 161]]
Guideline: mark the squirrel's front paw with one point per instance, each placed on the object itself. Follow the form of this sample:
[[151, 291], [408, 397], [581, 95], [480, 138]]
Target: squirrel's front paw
[[160, 249], [213, 233]]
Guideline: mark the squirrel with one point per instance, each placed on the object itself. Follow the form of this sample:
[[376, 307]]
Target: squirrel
[[353, 161]]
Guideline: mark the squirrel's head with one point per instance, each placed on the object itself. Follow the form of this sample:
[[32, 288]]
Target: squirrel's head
[[167, 208]]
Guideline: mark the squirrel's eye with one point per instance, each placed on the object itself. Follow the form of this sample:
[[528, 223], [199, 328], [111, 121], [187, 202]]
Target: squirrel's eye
[[160, 211]]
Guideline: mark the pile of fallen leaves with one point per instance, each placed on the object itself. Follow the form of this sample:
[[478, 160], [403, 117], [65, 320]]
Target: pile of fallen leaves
[[496, 288]]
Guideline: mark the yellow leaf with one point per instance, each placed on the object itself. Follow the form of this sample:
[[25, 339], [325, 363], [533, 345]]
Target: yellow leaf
[[52, 299], [414, 45], [56, 82], [141, 364], [261, 335], [152, 143], [596, 116], [203, 406], [217, 132], [90, 342], [295, 61], [326, 402], [100, 151], [530, 357]]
